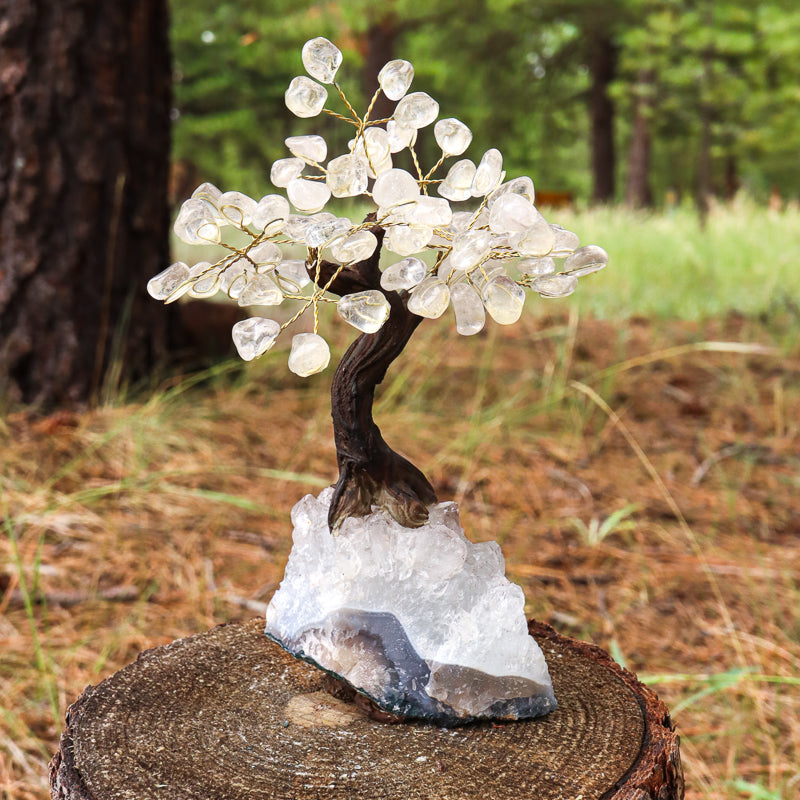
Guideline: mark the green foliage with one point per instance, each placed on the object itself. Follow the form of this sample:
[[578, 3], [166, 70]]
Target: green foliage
[[518, 73]]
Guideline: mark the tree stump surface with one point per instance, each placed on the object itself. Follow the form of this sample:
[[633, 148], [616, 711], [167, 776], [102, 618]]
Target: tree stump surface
[[228, 714]]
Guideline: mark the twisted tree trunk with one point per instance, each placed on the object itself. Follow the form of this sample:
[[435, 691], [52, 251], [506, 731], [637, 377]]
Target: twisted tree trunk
[[370, 472]]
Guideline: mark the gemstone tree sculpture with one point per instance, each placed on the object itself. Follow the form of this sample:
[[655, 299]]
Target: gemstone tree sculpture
[[382, 587]]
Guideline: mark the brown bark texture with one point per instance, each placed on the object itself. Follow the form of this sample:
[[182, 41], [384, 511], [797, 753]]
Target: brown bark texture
[[228, 714], [603, 68], [638, 192], [370, 472], [85, 95]]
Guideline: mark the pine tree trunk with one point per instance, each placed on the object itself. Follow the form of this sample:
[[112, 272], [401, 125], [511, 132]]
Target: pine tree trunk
[[85, 93], [638, 193], [379, 42], [602, 65]]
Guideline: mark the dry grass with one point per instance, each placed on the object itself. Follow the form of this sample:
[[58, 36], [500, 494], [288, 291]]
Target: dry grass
[[126, 527]]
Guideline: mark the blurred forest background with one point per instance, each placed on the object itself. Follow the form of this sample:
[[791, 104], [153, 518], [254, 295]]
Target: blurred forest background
[[634, 448]]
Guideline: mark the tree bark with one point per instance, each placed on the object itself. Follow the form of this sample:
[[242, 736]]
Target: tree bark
[[85, 93], [638, 192], [229, 715], [379, 44], [602, 67], [370, 472]]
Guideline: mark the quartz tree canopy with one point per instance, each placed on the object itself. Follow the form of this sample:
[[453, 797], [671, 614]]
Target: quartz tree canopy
[[455, 233]]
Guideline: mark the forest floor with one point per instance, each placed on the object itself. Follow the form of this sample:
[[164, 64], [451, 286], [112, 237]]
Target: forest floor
[[643, 479]]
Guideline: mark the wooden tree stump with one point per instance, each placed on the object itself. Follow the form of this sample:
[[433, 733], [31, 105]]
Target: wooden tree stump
[[228, 714]]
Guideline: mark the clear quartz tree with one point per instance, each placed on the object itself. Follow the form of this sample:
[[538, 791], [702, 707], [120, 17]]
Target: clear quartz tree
[[456, 234]]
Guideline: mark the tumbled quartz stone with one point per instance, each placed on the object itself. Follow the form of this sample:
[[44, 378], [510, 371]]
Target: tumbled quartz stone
[[395, 186], [457, 185], [560, 285], [503, 300], [452, 135], [374, 149], [310, 354], [195, 223], [566, 242], [416, 110], [237, 208], [207, 191], [271, 213], [261, 290], [468, 308], [470, 248], [399, 137], [537, 240], [366, 311], [355, 247], [522, 186], [305, 98], [166, 285], [405, 274], [428, 211], [293, 271], [318, 233], [430, 298], [537, 266], [406, 240], [395, 77], [310, 148], [586, 260], [234, 278], [308, 196], [421, 620], [488, 174], [207, 283], [264, 254], [512, 213], [346, 176], [321, 59], [285, 170], [254, 336]]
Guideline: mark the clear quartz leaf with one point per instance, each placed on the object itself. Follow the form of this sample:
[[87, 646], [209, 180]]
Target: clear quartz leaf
[[254, 336], [428, 211], [347, 176], [430, 298], [393, 187], [355, 247], [271, 213], [323, 231], [452, 135], [522, 186], [261, 290], [321, 58], [293, 271], [399, 137], [405, 274], [560, 285], [468, 308], [512, 213], [285, 170], [395, 78], [488, 174], [586, 260], [536, 240], [406, 240], [237, 208], [470, 248], [457, 185], [566, 242], [207, 283], [504, 299], [197, 223], [308, 196], [305, 98], [416, 110], [310, 148], [537, 266], [264, 254], [310, 354], [366, 311], [168, 283]]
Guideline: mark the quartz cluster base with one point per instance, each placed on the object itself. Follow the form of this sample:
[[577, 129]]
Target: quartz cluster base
[[420, 620]]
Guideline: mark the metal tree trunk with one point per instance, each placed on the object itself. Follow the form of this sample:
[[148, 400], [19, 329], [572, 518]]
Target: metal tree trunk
[[84, 152]]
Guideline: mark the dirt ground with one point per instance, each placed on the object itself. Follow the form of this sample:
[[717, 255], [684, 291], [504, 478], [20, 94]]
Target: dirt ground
[[129, 526]]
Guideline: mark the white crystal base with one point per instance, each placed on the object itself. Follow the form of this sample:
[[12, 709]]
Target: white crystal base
[[421, 620]]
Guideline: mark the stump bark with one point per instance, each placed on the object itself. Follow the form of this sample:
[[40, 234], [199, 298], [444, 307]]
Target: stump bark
[[228, 714]]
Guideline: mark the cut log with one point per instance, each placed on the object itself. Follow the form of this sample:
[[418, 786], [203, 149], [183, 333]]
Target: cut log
[[229, 715]]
